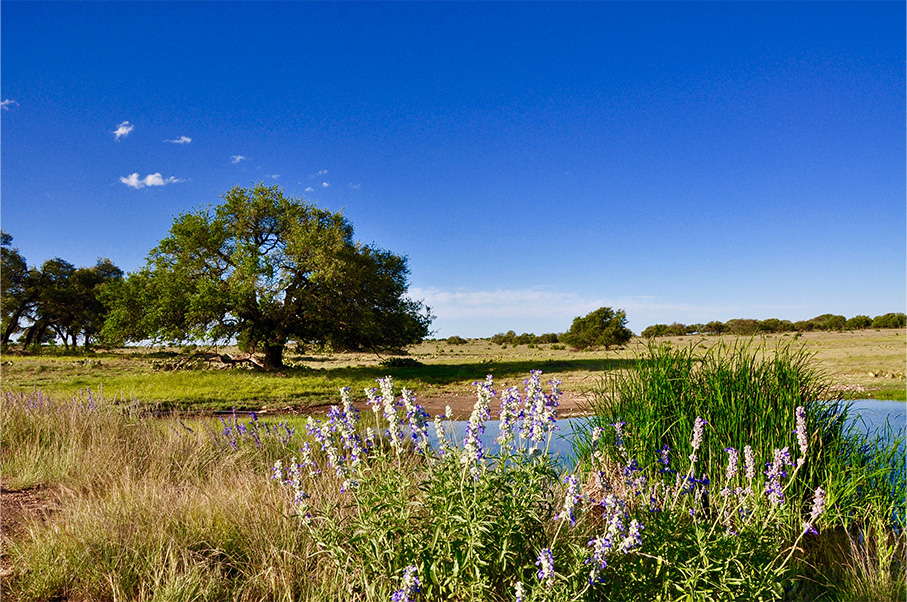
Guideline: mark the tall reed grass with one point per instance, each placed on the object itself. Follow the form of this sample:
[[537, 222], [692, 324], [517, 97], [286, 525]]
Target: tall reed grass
[[748, 394]]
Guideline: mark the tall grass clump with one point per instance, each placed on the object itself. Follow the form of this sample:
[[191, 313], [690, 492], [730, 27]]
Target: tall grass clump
[[146, 508], [776, 409]]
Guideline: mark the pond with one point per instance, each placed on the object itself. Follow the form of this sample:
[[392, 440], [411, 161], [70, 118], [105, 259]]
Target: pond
[[867, 415]]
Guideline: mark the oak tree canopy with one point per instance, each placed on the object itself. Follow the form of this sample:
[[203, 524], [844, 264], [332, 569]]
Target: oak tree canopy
[[265, 269]]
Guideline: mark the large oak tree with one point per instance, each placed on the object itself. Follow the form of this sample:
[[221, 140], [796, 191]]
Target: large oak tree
[[264, 269]]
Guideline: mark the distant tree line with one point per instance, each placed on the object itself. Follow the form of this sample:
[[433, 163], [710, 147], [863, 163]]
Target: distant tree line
[[55, 301], [746, 326], [527, 338], [603, 327]]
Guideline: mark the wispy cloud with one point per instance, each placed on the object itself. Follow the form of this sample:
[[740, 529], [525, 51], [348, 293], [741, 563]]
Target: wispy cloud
[[324, 184], [123, 129], [309, 189], [323, 172], [274, 176], [180, 140], [355, 186], [6, 104], [525, 303], [237, 158], [154, 179]]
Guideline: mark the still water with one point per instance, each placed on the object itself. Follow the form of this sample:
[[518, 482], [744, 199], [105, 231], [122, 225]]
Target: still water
[[866, 415]]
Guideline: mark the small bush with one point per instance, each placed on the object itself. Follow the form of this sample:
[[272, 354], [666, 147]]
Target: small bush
[[402, 362]]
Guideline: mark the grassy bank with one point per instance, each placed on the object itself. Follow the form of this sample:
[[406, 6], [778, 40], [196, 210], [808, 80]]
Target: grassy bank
[[860, 364], [144, 508]]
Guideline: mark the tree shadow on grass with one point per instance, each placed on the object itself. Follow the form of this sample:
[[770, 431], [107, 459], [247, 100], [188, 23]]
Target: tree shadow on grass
[[447, 374]]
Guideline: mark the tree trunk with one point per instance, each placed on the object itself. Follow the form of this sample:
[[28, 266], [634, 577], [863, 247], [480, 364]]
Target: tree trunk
[[273, 359], [13, 324]]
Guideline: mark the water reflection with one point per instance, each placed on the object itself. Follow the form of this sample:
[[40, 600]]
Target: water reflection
[[867, 415]]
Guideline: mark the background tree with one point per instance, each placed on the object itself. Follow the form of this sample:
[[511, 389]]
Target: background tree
[[891, 320], [56, 306], [69, 301], [18, 289], [265, 269], [858, 322], [88, 287], [56, 301], [600, 328]]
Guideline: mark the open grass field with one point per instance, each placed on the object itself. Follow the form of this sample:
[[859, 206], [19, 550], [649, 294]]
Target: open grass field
[[860, 364]]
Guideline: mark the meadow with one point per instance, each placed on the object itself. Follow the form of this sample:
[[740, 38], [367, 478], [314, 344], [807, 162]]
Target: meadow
[[860, 364], [703, 473]]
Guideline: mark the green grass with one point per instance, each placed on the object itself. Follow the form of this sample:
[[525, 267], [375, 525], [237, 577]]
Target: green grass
[[131, 377], [859, 364]]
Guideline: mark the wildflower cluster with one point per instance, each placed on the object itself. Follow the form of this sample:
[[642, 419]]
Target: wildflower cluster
[[292, 478], [545, 563], [774, 474], [339, 440], [540, 409], [619, 536], [414, 417], [603, 507], [237, 432]]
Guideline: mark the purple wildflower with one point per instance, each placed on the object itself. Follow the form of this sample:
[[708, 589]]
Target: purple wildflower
[[601, 546], [664, 458], [774, 474], [802, 436], [698, 428], [572, 497], [818, 508], [409, 586], [749, 462], [546, 567], [730, 473], [633, 539], [510, 413]]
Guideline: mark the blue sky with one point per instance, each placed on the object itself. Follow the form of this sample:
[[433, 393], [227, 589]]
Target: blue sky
[[682, 161]]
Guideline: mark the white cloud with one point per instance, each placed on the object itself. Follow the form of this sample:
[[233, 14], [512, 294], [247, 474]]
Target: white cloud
[[237, 158], [6, 104], [355, 186], [309, 189], [123, 129], [180, 140], [324, 184], [323, 172], [154, 179], [274, 176], [525, 303]]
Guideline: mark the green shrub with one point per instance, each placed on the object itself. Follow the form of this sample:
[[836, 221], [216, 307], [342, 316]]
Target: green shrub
[[603, 327], [402, 362], [891, 320]]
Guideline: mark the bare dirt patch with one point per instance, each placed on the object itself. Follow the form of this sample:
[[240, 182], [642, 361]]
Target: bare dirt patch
[[18, 509]]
